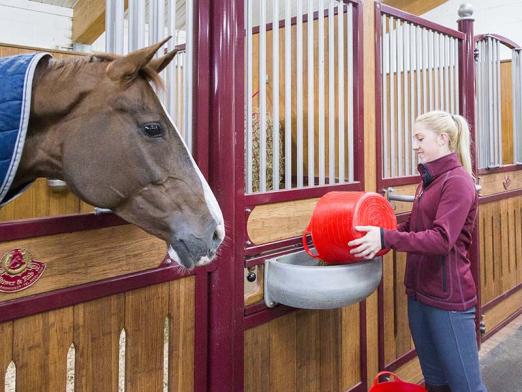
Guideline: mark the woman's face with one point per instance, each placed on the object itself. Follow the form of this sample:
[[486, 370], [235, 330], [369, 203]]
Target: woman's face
[[427, 144]]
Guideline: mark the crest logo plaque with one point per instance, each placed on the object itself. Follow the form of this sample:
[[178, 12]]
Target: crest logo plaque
[[18, 270]]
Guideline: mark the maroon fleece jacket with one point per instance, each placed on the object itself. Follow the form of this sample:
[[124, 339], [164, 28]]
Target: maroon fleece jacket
[[437, 236]]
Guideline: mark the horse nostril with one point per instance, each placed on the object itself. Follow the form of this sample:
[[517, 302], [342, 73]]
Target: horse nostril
[[215, 237]]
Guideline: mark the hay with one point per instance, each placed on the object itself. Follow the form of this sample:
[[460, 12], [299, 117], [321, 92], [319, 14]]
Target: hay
[[256, 130]]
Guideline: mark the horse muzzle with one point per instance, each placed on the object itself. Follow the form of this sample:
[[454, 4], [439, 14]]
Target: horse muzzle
[[192, 251]]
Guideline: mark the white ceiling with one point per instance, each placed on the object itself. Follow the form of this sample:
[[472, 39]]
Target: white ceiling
[[59, 3]]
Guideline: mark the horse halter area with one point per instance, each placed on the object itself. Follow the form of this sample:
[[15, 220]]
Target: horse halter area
[[279, 102]]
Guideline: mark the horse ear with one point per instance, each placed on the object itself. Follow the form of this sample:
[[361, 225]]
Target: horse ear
[[160, 63], [126, 68]]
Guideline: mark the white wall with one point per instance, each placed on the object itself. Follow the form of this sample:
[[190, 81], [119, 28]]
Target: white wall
[[502, 17], [24, 22]]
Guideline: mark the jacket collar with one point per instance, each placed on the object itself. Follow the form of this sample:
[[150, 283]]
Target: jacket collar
[[431, 170]]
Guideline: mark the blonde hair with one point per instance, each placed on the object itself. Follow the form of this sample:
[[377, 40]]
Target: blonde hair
[[457, 129]]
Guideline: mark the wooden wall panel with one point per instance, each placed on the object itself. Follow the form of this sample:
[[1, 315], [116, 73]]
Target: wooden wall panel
[[145, 313], [41, 343], [6, 353], [105, 253], [182, 334], [506, 111], [500, 253], [272, 222], [496, 182], [97, 328], [304, 351]]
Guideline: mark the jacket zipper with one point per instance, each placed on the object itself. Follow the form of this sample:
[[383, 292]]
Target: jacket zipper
[[444, 273]]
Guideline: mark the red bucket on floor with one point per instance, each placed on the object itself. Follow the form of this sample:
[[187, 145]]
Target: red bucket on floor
[[395, 384], [334, 219]]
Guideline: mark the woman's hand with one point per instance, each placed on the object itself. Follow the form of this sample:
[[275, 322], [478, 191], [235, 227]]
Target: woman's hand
[[369, 245]]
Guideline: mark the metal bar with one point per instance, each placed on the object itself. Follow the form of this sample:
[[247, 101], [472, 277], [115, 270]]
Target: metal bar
[[321, 95], [275, 95], [431, 68], [299, 29], [331, 94], [499, 107], [392, 196], [451, 61], [351, 88], [440, 50], [386, 74], [262, 97], [406, 65], [409, 135], [447, 106], [288, 96], [249, 99], [393, 66], [188, 72], [340, 73], [171, 78], [418, 69], [311, 96], [424, 49], [457, 90], [436, 67], [397, 148], [480, 116]]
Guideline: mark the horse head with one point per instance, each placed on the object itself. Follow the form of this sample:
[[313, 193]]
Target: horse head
[[98, 124]]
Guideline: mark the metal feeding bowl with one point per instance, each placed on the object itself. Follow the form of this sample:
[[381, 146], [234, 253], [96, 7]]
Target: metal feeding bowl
[[298, 280]]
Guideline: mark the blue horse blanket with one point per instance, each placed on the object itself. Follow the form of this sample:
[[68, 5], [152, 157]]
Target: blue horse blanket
[[16, 79]]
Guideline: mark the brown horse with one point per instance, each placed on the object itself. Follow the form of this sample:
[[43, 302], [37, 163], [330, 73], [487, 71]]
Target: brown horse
[[97, 124]]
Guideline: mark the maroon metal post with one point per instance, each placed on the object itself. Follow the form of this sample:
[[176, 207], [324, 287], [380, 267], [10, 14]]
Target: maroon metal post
[[225, 129], [467, 109]]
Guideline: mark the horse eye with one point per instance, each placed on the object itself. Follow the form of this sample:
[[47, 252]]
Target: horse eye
[[152, 129]]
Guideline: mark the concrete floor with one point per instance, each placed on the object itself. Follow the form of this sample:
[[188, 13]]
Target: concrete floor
[[501, 359]]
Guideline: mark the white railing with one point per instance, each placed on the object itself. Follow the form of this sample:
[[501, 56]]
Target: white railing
[[148, 22], [517, 104], [299, 94], [419, 73]]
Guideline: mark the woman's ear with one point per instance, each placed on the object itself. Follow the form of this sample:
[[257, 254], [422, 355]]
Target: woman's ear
[[443, 139]]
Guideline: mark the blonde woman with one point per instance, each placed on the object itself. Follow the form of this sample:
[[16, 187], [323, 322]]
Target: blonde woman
[[437, 237]]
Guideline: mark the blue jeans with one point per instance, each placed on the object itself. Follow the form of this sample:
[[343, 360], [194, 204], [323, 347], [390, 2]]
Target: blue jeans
[[447, 347]]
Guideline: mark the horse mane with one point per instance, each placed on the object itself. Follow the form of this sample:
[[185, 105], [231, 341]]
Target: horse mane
[[73, 65]]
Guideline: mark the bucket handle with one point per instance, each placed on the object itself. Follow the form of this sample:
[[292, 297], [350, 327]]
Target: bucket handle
[[385, 373], [305, 243]]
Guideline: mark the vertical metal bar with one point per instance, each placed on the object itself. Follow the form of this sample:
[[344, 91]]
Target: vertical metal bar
[[262, 98], [440, 49], [393, 66], [431, 68], [321, 95], [491, 106], [409, 135], [171, 77], [478, 84], [499, 107], [109, 26], [119, 17], [299, 28], [340, 73], [451, 77], [350, 87], [424, 49], [288, 96], [275, 95], [518, 88], [331, 94], [403, 156], [249, 99], [457, 86], [436, 67], [311, 95], [418, 70], [386, 75], [136, 24], [397, 148], [447, 107], [188, 72]]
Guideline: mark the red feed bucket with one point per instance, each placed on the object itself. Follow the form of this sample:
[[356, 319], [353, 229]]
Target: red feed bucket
[[334, 219], [394, 385]]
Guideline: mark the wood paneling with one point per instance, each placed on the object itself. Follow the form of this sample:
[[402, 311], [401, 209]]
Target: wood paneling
[[305, 351], [105, 253], [272, 222], [500, 247], [40, 343], [506, 111], [97, 327], [496, 182], [400, 207], [502, 310]]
